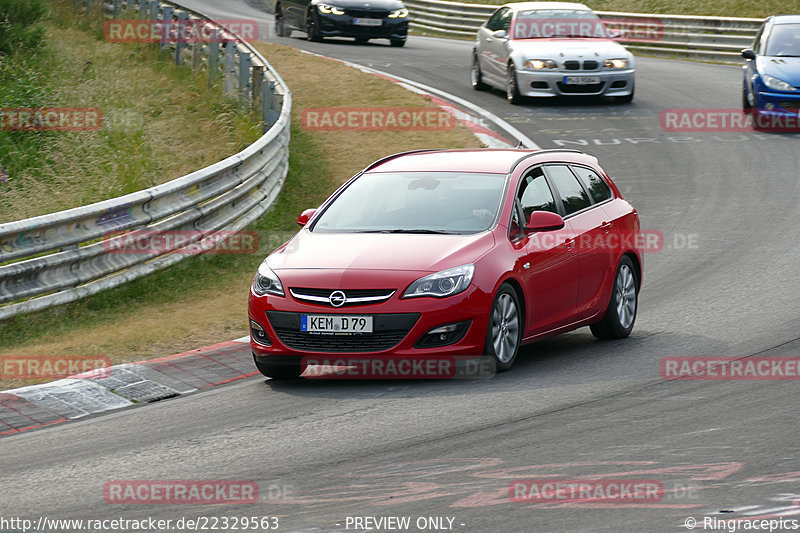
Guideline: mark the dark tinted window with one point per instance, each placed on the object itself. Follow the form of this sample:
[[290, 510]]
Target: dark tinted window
[[598, 188], [535, 195], [572, 194], [500, 19]]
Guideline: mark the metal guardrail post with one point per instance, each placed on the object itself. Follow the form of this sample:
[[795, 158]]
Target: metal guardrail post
[[182, 36], [117, 8], [267, 90], [229, 70], [142, 9], [244, 80], [167, 27], [213, 63], [154, 9], [258, 88]]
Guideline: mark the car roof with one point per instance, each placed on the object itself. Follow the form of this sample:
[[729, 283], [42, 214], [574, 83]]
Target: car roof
[[785, 19], [530, 6], [486, 160]]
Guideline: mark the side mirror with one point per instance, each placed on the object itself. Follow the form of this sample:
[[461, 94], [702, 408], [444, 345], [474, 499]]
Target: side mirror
[[748, 53], [500, 34], [544, 221], [305, 216]]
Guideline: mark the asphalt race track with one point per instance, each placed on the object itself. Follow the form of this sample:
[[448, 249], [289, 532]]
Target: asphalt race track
[[725, 284]]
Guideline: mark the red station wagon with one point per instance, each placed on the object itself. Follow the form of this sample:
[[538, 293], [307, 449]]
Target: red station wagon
[[451, 252]]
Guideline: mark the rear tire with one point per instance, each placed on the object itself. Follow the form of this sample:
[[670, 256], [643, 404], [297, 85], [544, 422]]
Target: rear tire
[[283, 370], [504, 332], [622, 307], [397, 43]]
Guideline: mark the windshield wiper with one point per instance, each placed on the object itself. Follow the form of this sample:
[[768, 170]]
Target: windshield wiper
[[408, 230]]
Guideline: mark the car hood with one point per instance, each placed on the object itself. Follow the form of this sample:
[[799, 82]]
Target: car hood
[[569, 48], [784, 68], [379, 251], [361, 4]]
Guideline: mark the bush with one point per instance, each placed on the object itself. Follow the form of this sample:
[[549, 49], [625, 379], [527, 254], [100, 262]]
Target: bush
[[17, 25]]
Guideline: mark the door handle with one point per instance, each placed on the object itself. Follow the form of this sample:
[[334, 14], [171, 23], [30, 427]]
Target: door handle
[[605, 227], [569, 244]]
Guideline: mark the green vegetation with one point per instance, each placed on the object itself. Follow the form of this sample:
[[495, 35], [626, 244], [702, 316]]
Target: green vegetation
[[159, 122]]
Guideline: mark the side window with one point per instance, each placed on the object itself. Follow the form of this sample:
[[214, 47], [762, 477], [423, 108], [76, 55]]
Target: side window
[[757, 40], [497, 20], [573, 196], [506, 20], [598, 189], [534, 194]]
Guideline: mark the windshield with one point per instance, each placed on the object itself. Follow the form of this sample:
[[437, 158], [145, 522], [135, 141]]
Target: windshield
[[784, 40], [415, 202], [548, 23]]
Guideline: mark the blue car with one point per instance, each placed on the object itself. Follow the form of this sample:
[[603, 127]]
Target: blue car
[[772, 71]]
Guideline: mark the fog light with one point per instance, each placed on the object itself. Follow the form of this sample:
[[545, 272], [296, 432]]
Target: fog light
[[769, 106], [443, 335], [259, 334]]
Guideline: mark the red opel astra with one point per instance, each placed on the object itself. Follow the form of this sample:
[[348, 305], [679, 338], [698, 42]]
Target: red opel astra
[[447, 253]]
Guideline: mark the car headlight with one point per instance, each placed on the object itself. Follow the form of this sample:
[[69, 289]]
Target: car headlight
[[326, 8], [616, 64], [776, 84], [539, 64], [444, 283], [398, 13], [267, 282]]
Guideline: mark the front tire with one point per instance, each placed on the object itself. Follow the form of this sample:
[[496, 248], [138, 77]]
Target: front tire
[[627, 99], [397, 43], [504, 332], [312, 27], [512, 86], [476, 77], [621, 313], [280, 25]]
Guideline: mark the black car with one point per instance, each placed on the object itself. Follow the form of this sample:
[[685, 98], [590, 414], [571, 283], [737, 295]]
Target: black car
[[364, 20]]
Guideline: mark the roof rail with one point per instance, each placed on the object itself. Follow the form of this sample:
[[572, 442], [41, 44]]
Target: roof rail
[[537, 152]]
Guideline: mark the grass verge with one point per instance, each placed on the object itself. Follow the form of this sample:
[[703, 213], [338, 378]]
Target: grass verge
[[203, 299], [159, 122]]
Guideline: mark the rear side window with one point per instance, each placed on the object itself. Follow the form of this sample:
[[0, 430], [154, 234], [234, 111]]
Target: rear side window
[[572, 194], [598, 189]]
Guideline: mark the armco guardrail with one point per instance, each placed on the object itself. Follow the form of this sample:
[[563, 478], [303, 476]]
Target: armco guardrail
[[706, 38], [60, 257]]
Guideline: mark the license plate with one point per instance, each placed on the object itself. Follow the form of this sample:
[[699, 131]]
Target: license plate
[[367, 22], [581, 80], [336, 323]]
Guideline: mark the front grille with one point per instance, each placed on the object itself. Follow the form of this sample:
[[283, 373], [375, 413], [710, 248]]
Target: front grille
[[572, 65], [367, 13], [590, 64], [580, 89], [388, 331], [353, 296]]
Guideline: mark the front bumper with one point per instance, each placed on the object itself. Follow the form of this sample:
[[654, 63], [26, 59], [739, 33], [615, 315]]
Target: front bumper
[[540, 83], [398, 324], [344, 26]]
